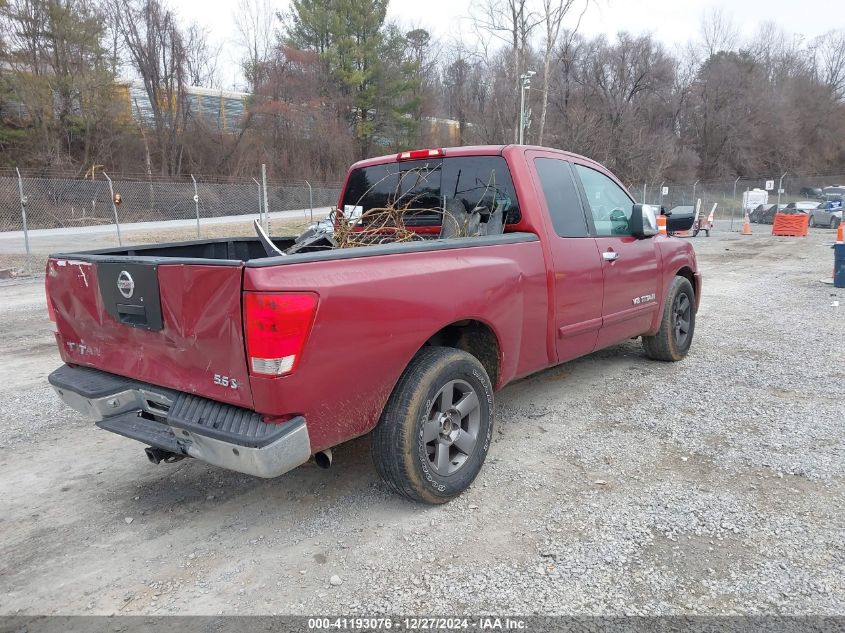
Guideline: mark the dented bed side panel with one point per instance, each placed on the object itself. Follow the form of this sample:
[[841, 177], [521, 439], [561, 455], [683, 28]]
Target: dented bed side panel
[[201, 337], [375, 313]]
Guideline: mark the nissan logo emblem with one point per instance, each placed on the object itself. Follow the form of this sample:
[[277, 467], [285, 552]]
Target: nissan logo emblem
[[125, 284]]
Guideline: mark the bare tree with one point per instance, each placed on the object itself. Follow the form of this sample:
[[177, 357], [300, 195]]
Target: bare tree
[[201, 57], [256, 35], [718, 32], [554, 12], [513, 22], [829, 56], [157, 51]]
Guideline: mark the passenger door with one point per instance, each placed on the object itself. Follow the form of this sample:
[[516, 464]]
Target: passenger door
[[629, 263], [575, 261], [821, 215]]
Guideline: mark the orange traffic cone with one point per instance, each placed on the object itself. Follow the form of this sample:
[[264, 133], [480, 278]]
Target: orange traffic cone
[[840, 237], [661, 224], [746, 226]]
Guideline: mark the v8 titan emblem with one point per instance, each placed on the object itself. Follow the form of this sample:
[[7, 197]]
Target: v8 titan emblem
[[644, 299], [125, 284]]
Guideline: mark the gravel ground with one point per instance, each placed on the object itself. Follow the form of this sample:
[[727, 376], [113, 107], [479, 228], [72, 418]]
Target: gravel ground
[[615, 485]]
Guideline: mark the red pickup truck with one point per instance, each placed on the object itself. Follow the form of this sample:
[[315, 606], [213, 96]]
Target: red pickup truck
[[253, 360]]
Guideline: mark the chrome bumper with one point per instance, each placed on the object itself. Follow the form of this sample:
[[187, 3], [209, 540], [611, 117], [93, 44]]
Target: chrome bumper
[[156, 417], [286, 453]]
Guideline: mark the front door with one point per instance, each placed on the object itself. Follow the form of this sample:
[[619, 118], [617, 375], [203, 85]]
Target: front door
[[575, 261], [629, 263]]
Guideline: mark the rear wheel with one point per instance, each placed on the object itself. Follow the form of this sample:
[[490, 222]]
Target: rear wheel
[[834, 223], [811, 222], [435, 431], [673, 339]]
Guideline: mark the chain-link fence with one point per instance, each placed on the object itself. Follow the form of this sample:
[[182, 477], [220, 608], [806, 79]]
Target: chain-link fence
[[39, 214], [728, 195], [65, 214]]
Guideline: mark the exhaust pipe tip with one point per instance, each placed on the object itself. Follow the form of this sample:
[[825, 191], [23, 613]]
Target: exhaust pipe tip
[[153, 454], [323, 459], [159, 455]]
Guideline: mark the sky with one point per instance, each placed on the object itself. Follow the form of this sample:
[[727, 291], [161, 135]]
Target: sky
[[671, 21]]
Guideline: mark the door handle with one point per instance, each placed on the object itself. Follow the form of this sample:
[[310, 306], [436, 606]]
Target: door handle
[[610, 256]]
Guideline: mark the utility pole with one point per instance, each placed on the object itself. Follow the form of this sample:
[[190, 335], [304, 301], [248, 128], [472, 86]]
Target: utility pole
[[523, 119], [693, 191]]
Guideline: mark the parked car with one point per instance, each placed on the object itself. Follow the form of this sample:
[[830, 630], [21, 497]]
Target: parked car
[[833, 192], [257, 354], [768, 216], [811, 192], [759, 213], [827, 214], [802, 206]]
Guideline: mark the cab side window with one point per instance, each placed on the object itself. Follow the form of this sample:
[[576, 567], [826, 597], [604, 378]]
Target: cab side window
[[562, 198], [608, 203]]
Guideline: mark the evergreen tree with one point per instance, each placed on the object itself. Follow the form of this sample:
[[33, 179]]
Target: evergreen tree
[[366, 59]]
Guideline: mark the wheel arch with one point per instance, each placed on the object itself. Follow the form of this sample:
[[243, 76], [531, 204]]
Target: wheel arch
[[695, 281], [474, 337]]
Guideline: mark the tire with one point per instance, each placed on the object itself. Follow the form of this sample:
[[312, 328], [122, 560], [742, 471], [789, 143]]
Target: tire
[[671, 343], [695, 233], [424, 448], [707, 232], [834, 223], [811, 222]]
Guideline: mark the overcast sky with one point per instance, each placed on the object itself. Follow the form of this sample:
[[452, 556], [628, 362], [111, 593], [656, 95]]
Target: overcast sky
[[671, 21]]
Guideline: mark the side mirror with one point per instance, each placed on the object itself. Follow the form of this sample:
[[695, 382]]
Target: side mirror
[[643, 221]]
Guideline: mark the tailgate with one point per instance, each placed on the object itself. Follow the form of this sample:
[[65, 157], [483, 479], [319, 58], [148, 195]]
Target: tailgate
[[176, 326]]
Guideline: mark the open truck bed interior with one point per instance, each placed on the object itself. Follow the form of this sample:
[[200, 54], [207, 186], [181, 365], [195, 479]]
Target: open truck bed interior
[[222, 251]]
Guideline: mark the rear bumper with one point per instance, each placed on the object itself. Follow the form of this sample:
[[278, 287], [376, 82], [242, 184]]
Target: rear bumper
[[219, 434]]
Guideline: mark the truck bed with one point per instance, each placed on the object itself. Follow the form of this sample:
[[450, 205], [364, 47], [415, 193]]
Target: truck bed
[[249, 251]]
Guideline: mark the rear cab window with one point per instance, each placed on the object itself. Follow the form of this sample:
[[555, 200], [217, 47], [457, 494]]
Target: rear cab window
[[562, 200], [423, 188]]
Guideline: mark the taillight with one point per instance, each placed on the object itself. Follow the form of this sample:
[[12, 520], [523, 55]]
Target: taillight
[[276, 327], [419, 153]]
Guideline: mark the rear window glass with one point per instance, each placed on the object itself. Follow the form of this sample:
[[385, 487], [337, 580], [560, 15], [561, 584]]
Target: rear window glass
[[427, 185], [561, 197]]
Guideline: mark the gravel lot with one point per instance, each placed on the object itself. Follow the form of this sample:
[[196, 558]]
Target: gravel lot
[[615, 485]]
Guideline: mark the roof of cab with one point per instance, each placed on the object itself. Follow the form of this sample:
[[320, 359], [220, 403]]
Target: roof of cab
[[470, 150]]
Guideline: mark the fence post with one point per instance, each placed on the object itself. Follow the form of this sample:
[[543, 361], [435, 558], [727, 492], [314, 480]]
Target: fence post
[[266, 203], [196, 203], [310, 200], [260, 204], [734, 201], [23, 220], [114, 208]]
